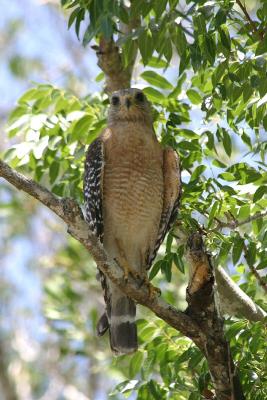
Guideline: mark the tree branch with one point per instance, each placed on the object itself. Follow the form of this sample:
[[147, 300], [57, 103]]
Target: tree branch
[[254, 271], [117, 76], [110, 61], [234, 301], [203, 308], [233, 224], [250, 21], [69, 211], [201, 321]]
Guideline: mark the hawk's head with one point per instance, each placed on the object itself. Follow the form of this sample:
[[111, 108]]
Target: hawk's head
[[130, 105]]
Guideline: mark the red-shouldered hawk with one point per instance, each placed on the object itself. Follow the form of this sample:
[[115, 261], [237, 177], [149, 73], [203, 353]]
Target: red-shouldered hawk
[[132, 188]]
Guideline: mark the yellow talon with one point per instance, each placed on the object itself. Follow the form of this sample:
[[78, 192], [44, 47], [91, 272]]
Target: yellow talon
[[127, 270], [152, 290]]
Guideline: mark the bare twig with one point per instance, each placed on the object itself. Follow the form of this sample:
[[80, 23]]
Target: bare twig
[[260, 280], [234, 223], [253, 270], [250, 21]]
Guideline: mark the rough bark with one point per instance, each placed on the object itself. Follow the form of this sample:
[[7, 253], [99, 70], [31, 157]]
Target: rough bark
[[110, 61], [117, 76], [203, 309], [233, 300]]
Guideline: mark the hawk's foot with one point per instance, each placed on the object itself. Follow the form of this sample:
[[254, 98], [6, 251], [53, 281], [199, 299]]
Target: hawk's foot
[[127, 270], [152, 290]]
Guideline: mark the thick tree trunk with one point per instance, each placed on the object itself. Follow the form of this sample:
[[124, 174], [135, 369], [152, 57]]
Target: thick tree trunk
[[204, 310]]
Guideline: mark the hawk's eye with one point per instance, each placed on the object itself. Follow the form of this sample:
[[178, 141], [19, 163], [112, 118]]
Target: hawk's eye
[[115, 100], [140, 97]]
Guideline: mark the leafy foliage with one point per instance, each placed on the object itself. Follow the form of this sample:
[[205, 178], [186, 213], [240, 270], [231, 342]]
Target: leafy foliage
[[212, 110]]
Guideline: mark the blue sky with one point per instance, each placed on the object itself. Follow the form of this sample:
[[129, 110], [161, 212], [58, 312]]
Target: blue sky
[[42, 35]]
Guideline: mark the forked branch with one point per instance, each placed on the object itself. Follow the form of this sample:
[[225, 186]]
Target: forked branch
[[250, 21]]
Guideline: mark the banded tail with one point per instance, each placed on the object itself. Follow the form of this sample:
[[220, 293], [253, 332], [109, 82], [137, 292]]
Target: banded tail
[[120, 320]]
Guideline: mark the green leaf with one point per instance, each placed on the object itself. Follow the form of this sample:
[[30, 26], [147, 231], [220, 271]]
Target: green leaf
[[154, 95], [155, 62], [195, 359], [89, 34], [209, 47], [213, 211], [167, 268], [260, 192], [244, 212], [124, 387], [82, 126], [79, 19], [178, 262], [135, 364], [235, 328], [155, 269], [106, 27], [96, 12], [10, 154], [129, 51], [237, 249], [246, 139], [53, 171], [219, 164], [194, 96], [251, 253], [197, 172], [179, 40], [22, 149], [100, 77], [169, 243], [146, 46], [40, 147], [156, 80], [148, 364], [154, 389], [73, 16], [225, 37], [167, 50], [227, 176], [159, 7], [28, 95], [227, 143], [186, 133]]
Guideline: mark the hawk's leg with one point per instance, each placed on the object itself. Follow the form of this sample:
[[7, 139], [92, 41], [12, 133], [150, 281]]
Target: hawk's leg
[[152, 290], [127, 269], [141, 277], [123, 263]]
